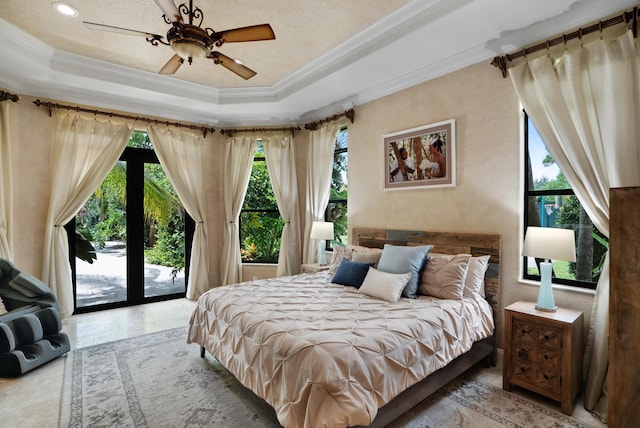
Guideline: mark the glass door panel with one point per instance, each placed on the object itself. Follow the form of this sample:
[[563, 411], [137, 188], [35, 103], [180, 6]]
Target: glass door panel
[[164, 240], [100, 244]]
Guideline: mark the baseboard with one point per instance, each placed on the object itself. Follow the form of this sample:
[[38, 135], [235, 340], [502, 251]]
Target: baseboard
[[499, 357]]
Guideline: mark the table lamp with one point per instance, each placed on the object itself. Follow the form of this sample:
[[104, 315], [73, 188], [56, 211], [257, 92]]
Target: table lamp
[[322, 230], [548, 243]]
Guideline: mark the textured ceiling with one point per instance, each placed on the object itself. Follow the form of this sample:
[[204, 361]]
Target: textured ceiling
[[328, 55], [304, 31]]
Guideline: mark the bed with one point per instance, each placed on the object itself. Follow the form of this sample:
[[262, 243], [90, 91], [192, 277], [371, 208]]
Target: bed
[[332, 355]]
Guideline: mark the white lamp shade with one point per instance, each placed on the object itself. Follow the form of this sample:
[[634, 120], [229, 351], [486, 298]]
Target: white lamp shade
[[550, 243], [322, 230]]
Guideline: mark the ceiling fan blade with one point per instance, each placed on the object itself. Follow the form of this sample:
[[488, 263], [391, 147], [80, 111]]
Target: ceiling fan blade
[[172, 65], [247, 34], [119, 30], [168, 7], [232, 65]]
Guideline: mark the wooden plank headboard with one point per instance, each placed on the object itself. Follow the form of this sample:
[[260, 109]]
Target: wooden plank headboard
[[475, 244]]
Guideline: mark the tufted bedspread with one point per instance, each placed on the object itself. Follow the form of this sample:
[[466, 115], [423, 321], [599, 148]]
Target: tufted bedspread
[[325, 355]]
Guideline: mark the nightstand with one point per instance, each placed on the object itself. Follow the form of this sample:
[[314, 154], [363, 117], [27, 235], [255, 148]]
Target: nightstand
[[543, 352], [314, 267]]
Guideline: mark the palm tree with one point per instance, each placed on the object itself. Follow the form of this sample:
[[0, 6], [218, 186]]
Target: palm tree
[[104, 216]]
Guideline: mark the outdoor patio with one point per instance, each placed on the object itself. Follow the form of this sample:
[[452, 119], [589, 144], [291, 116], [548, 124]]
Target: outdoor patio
[[104, 281]]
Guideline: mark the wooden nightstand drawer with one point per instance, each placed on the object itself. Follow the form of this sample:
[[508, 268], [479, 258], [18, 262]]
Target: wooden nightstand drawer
[[543, 352], [535, 354], [549, 338]]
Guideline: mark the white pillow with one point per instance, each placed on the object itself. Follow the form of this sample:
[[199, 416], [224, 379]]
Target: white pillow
[[371, 255], [384, 285], [339, 253], [365, 255], [474, 282]]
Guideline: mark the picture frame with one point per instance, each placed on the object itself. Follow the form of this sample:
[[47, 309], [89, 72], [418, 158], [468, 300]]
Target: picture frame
[[428, 157]]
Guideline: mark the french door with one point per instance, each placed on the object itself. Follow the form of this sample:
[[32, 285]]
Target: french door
[[140, 233]]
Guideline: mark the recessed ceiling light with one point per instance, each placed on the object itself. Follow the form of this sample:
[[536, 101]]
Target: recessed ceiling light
[[65, 9]]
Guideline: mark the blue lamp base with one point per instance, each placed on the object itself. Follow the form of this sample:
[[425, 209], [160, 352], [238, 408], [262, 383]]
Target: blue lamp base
[[545, 294]]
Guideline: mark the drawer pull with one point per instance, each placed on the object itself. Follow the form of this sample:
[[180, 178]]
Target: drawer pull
[[522, 354], [546, 377], [546, 357], [546, 337]]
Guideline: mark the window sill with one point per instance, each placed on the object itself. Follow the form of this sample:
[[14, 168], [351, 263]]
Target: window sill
[[559, 287], [259, 264]]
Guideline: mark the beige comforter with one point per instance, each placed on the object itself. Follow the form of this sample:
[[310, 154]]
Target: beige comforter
[[325, 355]]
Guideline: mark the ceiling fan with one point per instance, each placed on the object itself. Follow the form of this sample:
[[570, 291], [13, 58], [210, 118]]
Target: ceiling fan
[[190, 41]]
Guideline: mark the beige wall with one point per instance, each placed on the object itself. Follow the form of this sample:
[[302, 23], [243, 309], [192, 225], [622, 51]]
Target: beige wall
[[488, 195], [487, 198], [31, 152]]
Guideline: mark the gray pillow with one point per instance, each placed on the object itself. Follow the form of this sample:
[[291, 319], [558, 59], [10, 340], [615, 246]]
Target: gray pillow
[[398, 259]]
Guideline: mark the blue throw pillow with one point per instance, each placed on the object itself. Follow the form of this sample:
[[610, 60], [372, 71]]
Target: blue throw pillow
[[398, 259], [351, 273]]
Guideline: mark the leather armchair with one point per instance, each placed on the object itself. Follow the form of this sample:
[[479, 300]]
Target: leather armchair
[[30, 333]]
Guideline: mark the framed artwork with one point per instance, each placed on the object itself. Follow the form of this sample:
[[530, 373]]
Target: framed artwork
[[419, 158]]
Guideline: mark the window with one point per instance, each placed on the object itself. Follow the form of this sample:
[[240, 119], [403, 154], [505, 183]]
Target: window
[[337, 208], [260, 221], [550, 202]]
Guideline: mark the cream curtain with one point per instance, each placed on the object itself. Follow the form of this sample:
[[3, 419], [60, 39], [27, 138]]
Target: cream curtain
[[586, 107], [319, 169], [237, 171], [281, 161], [181, 153], [6, 184], [84, 149]]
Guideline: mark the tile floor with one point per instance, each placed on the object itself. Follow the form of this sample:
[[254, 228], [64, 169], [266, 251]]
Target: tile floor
[[33, 400]]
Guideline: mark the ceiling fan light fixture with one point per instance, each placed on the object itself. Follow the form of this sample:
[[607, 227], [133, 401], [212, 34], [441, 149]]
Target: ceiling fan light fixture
[[65, 9], [189, 41], [189, 49]]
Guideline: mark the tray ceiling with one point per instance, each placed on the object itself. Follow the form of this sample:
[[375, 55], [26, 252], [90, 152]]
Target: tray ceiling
[[328, 55]]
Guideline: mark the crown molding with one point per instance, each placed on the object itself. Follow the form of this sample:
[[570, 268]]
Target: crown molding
[[393, 27], [100, 72], [361, 69]]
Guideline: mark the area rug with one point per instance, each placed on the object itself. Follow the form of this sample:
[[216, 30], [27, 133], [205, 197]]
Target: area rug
[[158, 380]]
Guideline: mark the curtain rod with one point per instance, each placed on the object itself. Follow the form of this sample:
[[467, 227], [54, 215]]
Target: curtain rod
[[8, 96], [230, 132], [50, 106], [349, 114], [626, 17]]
